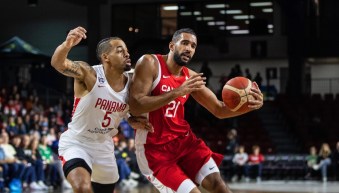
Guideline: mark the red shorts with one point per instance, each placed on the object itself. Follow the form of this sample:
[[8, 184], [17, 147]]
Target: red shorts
[[176, 161]]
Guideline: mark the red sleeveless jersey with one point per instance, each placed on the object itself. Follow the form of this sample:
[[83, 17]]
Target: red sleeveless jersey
[[168, 121]]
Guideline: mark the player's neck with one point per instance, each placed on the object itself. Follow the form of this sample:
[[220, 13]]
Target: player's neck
[[172, 66], [115, 79]]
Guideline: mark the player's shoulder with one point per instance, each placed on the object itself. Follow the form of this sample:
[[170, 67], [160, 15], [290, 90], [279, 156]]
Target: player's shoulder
[[191, 72], [147, 58]]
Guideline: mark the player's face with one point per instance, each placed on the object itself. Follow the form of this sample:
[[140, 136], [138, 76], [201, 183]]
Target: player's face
[[184, 49], [119, 55]]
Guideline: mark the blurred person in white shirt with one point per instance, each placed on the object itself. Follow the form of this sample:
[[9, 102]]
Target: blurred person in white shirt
[[239, 160]]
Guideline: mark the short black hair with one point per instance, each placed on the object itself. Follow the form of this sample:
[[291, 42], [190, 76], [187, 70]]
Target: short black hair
[[104, 46], [176, 34]]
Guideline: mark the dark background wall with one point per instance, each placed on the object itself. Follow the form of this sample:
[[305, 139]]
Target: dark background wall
[[299, 33]]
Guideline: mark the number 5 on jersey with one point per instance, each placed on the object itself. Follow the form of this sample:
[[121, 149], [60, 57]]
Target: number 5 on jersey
[[107, 120]]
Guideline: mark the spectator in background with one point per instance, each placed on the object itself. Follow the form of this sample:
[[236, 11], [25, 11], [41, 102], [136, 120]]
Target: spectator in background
[[325, 160], [235, 71], [222, 81], [3, 163], [126, 129], [21, 126], [12, 128], [336, 161], [55, 173], [14, 168], [51, 136], [132, 159], [258, 79], [33, 157], [248, 74], [29, 173], [239, 160], [125, 177], [207, 72], [232, 142], [254, 161], [312, 160]]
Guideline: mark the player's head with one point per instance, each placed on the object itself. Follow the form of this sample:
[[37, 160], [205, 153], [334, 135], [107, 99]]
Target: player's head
[[183, 45], [113, 50]]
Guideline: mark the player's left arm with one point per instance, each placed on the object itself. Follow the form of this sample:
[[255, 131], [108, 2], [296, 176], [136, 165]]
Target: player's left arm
[[209, 100]]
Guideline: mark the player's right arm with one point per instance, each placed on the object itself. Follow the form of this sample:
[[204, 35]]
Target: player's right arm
[[75, 69], [84, 75], [140, 99]]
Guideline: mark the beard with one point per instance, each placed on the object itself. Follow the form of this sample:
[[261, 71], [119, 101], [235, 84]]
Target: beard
[[178, 60], [127, 68]]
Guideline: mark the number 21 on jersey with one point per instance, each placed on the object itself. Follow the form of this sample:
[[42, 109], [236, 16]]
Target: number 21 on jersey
[[172, 108]]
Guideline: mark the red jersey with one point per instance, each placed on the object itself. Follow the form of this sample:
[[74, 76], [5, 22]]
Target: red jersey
[[168, 121], [256, 159]]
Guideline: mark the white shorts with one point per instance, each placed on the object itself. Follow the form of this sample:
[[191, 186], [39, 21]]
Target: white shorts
[[102, 163]]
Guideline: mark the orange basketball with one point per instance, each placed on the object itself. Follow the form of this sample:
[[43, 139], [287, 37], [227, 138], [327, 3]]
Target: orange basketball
[[235, 94]]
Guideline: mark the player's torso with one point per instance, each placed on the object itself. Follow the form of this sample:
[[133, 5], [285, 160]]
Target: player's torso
[[97, 115], [168, 121]]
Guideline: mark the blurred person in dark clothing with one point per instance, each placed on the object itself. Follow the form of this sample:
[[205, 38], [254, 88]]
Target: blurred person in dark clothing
[[205, 69], [258, 79], [232, 142], [248, 74]]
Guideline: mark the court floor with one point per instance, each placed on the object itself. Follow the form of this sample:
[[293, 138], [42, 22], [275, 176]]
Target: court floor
[[263, 187]]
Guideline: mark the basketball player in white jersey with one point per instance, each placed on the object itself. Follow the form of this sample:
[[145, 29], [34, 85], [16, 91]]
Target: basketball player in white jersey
[[100, 93]]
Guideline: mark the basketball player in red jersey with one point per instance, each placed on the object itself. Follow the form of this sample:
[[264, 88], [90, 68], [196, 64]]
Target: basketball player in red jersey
[[172, 158], [86, 149]]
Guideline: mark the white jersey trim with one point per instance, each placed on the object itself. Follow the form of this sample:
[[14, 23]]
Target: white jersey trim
[[157, 80], [147, 172]]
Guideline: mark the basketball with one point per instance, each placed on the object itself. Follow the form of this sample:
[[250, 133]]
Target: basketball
[[235, 94]]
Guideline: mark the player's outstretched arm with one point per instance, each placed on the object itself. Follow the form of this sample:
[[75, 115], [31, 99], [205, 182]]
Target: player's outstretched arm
[[145, 72], [75, 69], [209, 100]]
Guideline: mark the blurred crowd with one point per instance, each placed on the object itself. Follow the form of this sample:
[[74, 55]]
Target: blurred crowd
[[30, 130], [316, 165], [29, 135]]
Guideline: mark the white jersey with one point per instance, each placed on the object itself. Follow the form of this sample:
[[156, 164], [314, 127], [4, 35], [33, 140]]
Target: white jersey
[[97, 115]]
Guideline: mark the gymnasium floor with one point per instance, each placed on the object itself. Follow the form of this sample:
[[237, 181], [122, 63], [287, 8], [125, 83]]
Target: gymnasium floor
[[263, 187]]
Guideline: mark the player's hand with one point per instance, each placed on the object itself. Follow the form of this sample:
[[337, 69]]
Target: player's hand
[[140, 122], [258, 98], [193, 83], [75, 36]]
